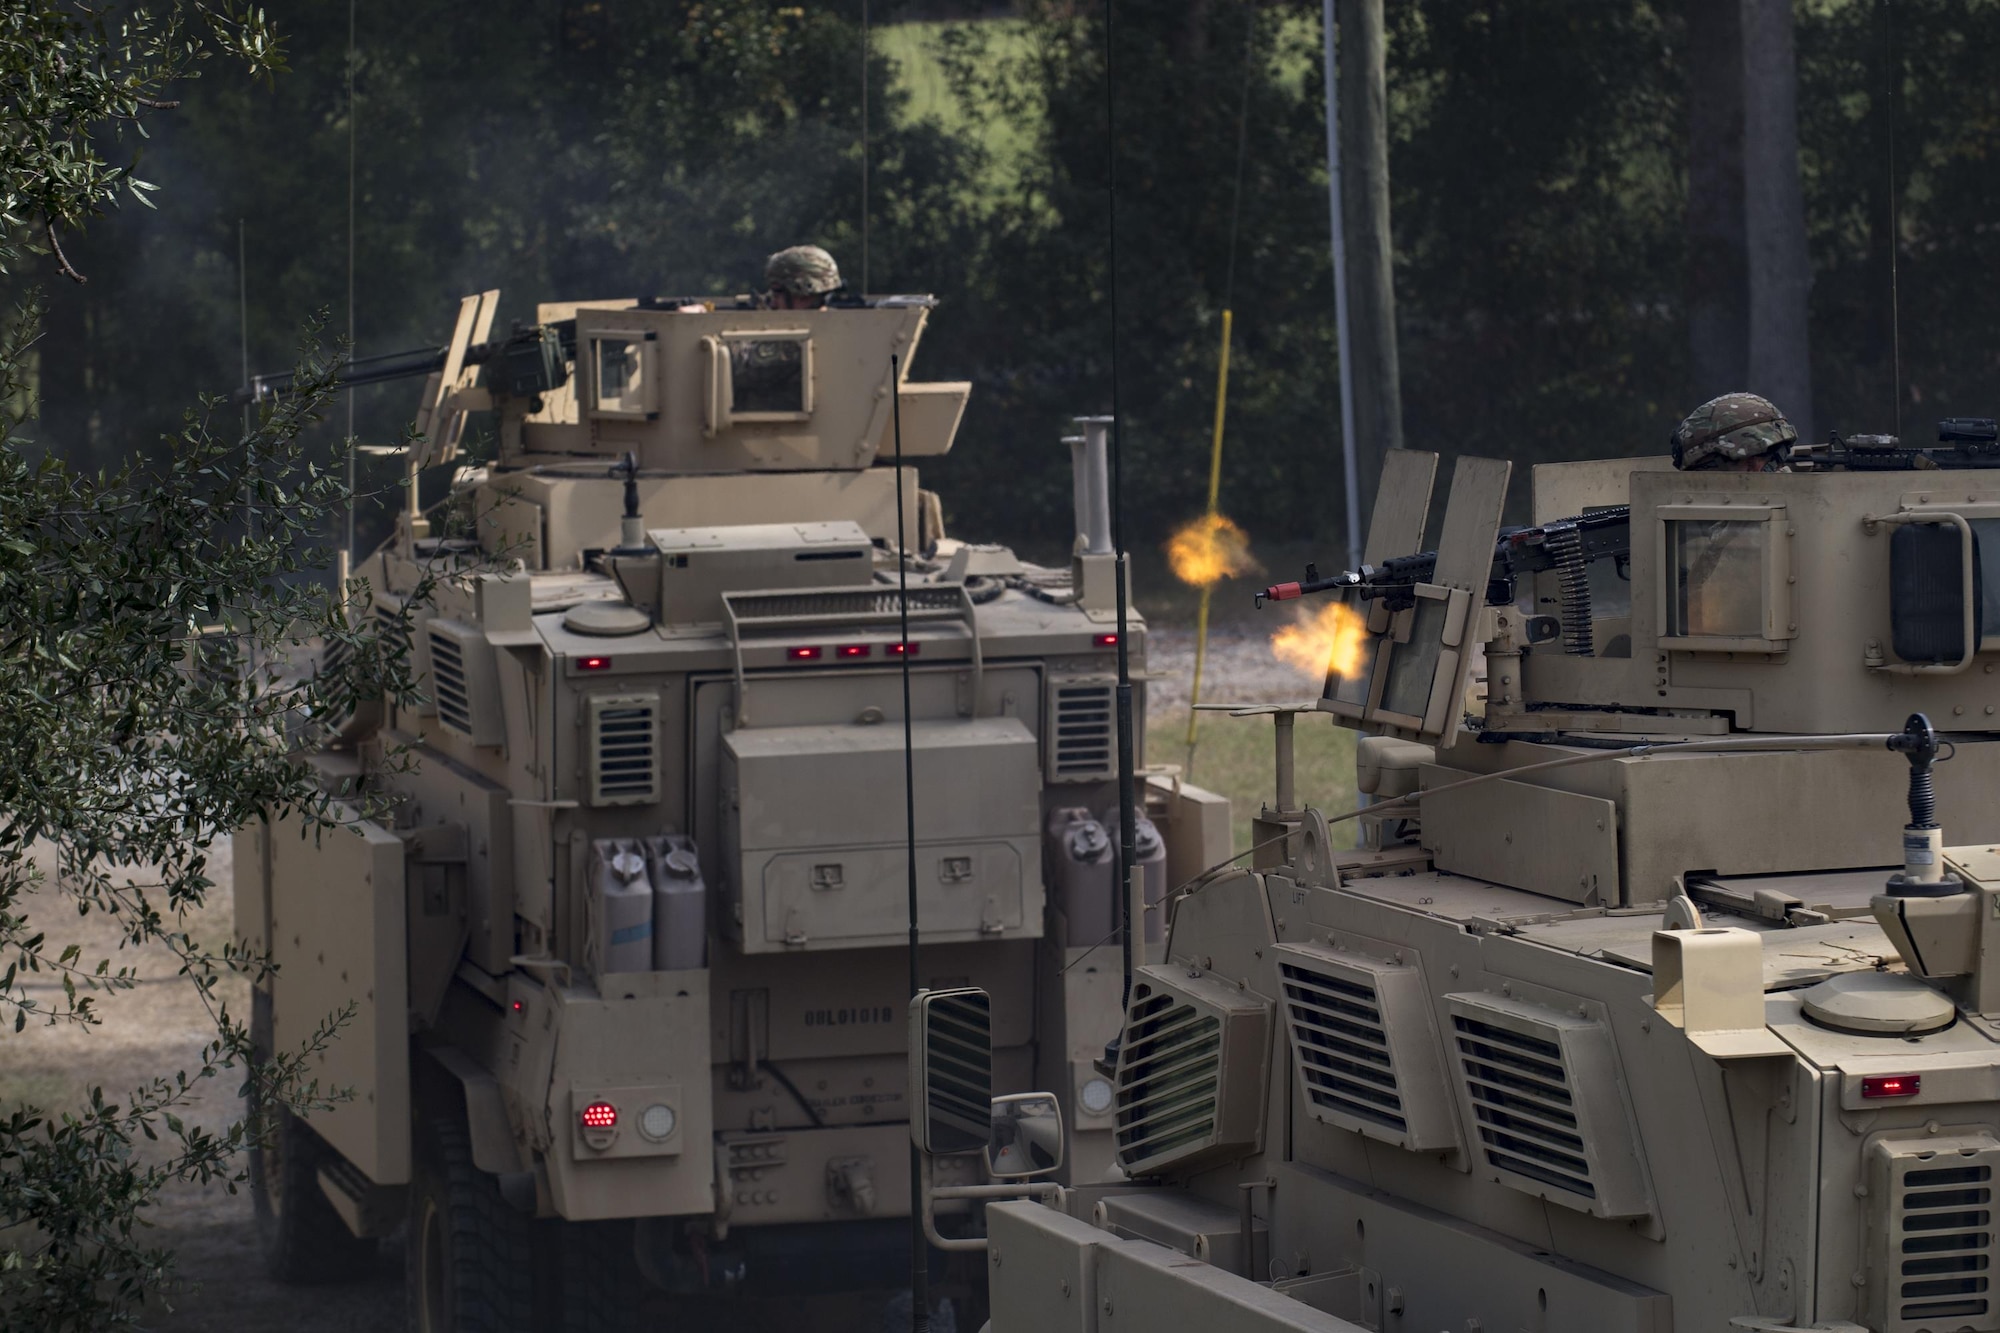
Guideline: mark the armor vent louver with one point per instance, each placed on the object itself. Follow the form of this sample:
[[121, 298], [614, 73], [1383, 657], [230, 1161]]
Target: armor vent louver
[[1082, 721], [1522, 1106], [465, 682], [1364, 1046], [454, 708], [401, 629], [1545, 1106], [394, 634], [1176, 1065], [624, 749], [1343, 1051], [1938, 1230], [1191, 1073]]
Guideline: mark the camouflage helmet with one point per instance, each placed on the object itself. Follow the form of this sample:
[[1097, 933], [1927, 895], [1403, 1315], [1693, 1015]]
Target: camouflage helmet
[[1734, 426], [802, 270]]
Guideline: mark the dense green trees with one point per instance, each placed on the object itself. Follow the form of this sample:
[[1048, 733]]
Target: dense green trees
[[1538, 162], [147, 712]]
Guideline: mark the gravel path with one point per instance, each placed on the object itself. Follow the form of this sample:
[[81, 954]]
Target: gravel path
[[1239, 668]]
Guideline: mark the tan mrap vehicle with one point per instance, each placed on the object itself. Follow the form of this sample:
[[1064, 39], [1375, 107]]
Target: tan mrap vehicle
[[628, 961], [1664, 993]]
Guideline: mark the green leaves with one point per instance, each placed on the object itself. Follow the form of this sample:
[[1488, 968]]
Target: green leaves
[[144, 615], [73, 79]]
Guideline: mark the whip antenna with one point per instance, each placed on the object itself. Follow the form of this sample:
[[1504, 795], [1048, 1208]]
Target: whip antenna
[[920, 1308], [1895, 74], [864, 156], [1128, 830], [350, 285]]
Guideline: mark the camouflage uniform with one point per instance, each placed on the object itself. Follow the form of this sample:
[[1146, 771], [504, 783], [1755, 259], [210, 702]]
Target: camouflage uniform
[[1730, 428], [802, 270]]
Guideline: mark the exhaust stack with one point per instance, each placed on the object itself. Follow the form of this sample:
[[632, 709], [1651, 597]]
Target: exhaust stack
[[1092, 482]]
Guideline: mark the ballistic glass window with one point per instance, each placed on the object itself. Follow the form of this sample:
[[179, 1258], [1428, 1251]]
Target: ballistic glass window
[[621, 383], [1986, 533], [1718, 572], [1413, 665], [768, 376], [1353, 689]]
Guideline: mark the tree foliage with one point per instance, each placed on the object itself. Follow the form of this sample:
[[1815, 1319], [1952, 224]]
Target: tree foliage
[[146, 613]]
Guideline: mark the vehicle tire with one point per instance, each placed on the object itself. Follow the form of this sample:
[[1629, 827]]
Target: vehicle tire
[[469, 1267], [597, 1286], [302, 1239]]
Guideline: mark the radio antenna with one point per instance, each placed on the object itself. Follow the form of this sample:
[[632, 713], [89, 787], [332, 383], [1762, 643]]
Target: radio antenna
[[350, 281], [920, 1256], [1128, 830], [864, 147], [1894, 71]]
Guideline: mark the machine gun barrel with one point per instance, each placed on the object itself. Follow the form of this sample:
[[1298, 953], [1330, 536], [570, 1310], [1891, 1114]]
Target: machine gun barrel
[[535, 351], [1562, 544]]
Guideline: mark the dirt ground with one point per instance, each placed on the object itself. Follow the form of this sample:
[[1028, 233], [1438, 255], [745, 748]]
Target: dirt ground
[[153, 1030], [162, 1025]]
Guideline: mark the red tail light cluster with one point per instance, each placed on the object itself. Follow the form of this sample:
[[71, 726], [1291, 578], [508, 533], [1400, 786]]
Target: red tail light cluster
[[1892, 1085], [1106, 641], [846, 652], [600, 1115], [593, 664]]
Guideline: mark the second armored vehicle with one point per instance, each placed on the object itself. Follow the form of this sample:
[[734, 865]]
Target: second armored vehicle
[[1664, 992], [627, 960]]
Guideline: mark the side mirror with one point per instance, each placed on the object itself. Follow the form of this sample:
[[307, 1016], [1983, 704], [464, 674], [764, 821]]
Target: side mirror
[[951, 1069], [1026, 1137]]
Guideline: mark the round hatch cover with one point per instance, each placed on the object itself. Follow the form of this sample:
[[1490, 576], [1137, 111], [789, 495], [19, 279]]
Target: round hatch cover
[[1878, 1004], [609, 619]]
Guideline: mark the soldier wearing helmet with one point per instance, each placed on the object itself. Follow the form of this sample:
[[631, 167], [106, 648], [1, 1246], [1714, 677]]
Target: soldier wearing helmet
[[1738, 432], [800, 278]]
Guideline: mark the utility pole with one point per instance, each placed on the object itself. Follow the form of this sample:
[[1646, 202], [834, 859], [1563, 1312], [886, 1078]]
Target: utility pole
[[1775, 214], [1371, 295]]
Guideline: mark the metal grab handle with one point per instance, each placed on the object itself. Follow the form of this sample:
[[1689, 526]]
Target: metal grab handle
[[1968, 597], [739, 612], [1046, 1190]]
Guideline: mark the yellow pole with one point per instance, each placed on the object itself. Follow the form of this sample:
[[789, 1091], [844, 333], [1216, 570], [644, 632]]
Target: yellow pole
[[1214, 493]]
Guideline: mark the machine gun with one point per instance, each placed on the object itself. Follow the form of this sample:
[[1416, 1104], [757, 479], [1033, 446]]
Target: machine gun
[[529, 361], [1963, 442], [1567, 545]]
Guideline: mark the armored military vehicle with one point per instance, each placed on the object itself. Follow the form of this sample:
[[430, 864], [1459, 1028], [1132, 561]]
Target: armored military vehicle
[[626, 961], [1663, 989]]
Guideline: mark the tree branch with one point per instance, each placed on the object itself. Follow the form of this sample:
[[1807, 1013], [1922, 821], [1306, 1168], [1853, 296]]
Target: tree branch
[[62, 260]]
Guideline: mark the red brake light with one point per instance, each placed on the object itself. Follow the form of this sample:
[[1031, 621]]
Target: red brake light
[[1106, 641], [1892, 1085], [600, 1115], [802, 654], [593, 664], [854, 650], [902, 650]]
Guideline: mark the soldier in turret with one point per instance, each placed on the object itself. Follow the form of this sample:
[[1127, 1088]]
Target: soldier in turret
[[1738, 432], [800, 278]]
